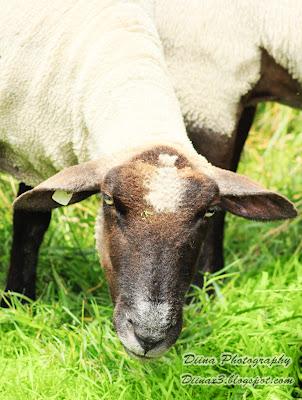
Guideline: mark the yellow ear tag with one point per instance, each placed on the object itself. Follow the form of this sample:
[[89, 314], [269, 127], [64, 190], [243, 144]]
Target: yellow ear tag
[[62, 197]]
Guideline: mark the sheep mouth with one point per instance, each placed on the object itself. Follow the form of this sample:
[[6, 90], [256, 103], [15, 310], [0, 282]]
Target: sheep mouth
[[139, 356]]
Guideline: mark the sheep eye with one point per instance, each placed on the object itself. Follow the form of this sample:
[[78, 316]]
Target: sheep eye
[[108, 199], [209, 213]]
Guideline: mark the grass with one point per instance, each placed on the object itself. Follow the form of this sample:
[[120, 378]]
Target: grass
[[63, 346]]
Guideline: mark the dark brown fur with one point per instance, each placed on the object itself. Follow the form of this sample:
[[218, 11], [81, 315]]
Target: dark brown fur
[[28, 232]]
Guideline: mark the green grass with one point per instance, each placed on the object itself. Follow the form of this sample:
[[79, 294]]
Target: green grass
[[63, 346]]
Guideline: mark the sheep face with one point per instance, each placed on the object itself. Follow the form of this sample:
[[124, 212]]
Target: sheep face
[[152, 223]]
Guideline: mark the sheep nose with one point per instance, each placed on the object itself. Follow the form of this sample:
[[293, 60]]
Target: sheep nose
[[146, 342]]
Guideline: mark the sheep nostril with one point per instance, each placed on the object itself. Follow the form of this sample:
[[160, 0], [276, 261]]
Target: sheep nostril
[[129, 320]]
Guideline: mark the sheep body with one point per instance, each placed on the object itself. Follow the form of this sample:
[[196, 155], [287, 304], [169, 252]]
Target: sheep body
[[213, 52], [80, 81], [85, 83]]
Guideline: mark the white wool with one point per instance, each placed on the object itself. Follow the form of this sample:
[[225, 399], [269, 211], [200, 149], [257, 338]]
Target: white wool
[[212, 49], [165, 186], [84, 80], [79, 81]]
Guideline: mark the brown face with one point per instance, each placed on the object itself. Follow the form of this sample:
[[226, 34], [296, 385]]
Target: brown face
[[154, 218]]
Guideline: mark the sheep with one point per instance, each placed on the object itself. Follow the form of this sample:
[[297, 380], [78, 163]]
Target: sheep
[[86, 107], [225, 56]]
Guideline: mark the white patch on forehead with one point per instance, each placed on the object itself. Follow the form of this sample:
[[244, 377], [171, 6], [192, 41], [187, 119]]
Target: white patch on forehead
[[165, 187], [167, 160]]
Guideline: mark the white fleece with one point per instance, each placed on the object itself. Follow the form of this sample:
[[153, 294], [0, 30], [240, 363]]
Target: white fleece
[[81, 80], [212, 50]]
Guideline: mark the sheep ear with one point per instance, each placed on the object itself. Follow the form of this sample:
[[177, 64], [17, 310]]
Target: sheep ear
[[241, 196], [69, 186]]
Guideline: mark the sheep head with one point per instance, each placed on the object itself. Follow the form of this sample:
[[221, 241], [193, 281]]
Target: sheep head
[[150, 229]]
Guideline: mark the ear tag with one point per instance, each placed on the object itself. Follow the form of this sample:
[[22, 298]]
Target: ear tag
[[62, 197]]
